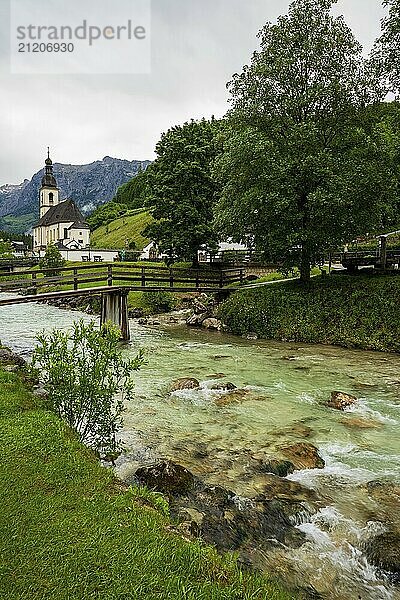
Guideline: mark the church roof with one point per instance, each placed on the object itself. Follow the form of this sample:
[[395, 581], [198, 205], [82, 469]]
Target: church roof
[[79, 225], [65, 212]]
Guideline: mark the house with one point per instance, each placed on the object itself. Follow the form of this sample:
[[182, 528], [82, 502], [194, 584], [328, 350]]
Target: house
[[60, 223], [226, 250], [152, 253]]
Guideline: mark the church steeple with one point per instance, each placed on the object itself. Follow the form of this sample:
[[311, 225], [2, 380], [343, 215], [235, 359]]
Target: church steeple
[[48, 179], [49, 192]]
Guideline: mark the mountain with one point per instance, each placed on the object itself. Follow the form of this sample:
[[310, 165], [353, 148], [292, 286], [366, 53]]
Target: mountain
[[88, 185]]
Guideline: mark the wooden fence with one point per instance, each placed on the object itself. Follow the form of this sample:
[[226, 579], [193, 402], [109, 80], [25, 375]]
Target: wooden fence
[[144, 278]]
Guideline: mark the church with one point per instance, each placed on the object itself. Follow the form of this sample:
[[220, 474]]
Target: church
[[60, 223]]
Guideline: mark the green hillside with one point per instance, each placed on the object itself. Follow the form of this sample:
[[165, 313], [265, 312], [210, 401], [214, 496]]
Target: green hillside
[[115, 234]]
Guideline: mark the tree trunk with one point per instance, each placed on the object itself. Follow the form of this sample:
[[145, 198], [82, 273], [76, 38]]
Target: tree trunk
[[195, 261], [305, 265]]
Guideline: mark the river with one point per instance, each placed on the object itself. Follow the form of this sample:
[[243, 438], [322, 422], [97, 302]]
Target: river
[[284, 386]]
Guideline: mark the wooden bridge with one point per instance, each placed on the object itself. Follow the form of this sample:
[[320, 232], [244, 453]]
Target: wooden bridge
[[113, 282]]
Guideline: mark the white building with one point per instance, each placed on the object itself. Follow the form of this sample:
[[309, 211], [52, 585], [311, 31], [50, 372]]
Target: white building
[[61, 223]]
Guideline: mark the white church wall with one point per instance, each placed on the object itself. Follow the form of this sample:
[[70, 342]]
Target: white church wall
[[90, 255]]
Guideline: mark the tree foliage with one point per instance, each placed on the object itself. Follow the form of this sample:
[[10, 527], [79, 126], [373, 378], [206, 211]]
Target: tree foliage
[[52, 260], [386, 52], [300, 173], [105, 214], [130, 196], [133, 194], [6, 250], [183, 191], [87, 380]]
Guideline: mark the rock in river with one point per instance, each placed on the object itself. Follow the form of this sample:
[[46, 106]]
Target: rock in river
[[303, 456], [340, 400], [166, 477], [224, 386], [185, 383], [383, 551]]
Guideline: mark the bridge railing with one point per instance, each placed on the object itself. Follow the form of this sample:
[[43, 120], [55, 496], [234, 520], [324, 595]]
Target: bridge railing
[[135, 276]]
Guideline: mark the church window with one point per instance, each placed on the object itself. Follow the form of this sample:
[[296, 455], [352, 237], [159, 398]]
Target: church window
[[51, 197]]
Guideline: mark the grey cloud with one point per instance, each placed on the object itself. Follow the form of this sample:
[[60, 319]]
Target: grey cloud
[[196, 47]]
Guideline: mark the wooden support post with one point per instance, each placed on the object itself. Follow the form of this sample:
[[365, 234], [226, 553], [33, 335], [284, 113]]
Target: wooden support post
[[114, 308], [75, 279], [197, 279], [109, 275], [171, 278], [383, 252], [143, 277], [241, 276], [221, 279], [34, 287]]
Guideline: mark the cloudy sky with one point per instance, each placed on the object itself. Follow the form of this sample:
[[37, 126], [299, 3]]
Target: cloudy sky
[[196, 46]]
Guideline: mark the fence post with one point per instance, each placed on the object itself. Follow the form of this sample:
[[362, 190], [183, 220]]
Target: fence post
[[221, 279], [109, 276], [34, 287], [241, 276], [171, 278], [75, 278], [197, 278], [143, 277]]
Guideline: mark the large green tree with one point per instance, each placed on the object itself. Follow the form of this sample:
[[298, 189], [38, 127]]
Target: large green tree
[[182, 190], [386, 53], [300, 172]]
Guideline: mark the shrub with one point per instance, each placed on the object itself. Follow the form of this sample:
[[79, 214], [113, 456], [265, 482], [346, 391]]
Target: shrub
[[87, 380], [52, 260], [158, 302]]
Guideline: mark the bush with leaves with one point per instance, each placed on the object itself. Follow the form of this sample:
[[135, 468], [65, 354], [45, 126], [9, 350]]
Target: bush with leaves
[[6, 250], [87, 381], [52, 260], [159, 302]]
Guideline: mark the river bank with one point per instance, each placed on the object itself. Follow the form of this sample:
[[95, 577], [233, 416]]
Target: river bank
[[71, 529], [350, 311]]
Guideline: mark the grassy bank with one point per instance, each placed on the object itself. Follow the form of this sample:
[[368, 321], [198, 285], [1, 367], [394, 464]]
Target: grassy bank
[[70, 531], [115, 234], [354, 312]]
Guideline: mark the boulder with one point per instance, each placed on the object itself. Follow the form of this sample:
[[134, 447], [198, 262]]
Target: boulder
[[234, 397], [385, 493], [360, 423], [303, 455], [196, 320], [9, 358], [166, 477], [278, 467], [279, 488], [199, 308], [340, 400], [229, 387], [212, 323], [383, 551], [185, 383]]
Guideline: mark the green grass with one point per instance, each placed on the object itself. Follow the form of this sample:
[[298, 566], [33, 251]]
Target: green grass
[[354, 312], [117, 232], [70, 531]]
